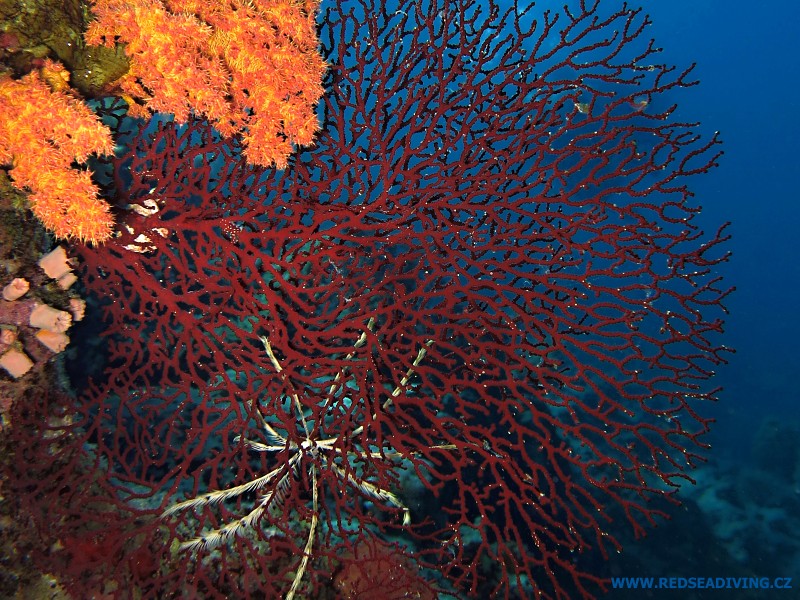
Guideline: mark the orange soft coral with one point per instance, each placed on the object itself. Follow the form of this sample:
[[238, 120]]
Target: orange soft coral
[[250, 66], [42, 132]]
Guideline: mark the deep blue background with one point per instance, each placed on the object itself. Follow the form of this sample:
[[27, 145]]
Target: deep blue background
[[747, 61], [742, 517]]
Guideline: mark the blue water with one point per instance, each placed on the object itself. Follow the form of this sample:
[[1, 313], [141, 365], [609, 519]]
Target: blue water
[[741, 518], [747, 63]]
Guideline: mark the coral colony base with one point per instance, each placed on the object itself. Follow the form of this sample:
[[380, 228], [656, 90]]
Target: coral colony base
[[455, 348]]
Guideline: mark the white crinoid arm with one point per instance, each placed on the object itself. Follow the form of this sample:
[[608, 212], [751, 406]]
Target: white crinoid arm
[[221, 495], [374, 491], [211, 539]]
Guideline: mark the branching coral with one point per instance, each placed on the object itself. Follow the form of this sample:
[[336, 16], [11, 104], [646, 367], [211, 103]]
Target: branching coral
[[43, 130], [251, 67], [487, 182]]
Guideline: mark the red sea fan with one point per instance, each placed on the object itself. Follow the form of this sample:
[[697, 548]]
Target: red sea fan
[[466, 329]]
